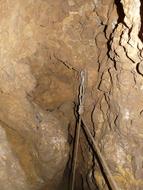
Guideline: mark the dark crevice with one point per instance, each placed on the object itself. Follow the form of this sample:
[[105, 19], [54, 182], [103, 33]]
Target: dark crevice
[[138, 69], [141, 28], [121, 16], [120, 11]]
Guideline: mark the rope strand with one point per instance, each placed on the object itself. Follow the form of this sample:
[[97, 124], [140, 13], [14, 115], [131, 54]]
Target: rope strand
[[77, 132], [91, 140]]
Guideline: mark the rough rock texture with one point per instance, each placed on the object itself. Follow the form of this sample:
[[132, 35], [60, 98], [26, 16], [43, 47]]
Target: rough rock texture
[[118, 117], [41, 51], [44, 45]]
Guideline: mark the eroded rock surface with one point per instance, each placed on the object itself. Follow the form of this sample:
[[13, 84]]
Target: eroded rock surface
[[10, 169], [118, 115], [43, 47]]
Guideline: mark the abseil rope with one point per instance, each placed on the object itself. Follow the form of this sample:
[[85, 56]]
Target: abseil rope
[[91, 140], [78, 127]]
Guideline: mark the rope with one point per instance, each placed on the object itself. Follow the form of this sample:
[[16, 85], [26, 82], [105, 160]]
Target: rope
[[103, 163], [101, 160], [77, 132]]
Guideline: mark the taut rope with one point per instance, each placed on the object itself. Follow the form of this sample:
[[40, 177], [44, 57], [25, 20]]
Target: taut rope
[[78, 127], [101, 161]]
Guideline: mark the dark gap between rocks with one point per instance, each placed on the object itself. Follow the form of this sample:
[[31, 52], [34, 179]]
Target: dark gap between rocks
[[141, 14], [120, 11]]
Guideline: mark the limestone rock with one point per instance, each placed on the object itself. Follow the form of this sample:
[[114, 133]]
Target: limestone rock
[[12, 176], [44, 45]]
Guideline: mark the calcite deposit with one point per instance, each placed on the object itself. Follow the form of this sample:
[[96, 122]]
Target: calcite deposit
[[44, 45]]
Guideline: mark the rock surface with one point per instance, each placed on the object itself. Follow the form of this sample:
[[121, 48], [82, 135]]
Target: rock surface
[[118, 116], [44, 45]]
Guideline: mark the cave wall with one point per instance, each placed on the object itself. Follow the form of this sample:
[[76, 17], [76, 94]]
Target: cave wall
[[118, 117], [44, 45]]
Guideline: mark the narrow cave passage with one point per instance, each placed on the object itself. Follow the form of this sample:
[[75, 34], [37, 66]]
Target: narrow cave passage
[[70, 120]]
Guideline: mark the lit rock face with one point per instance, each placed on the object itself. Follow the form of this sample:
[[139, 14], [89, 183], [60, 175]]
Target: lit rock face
[[119, 114], [43, 47], [52, 149], [10, 169], [33, 158], [34, 143]]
